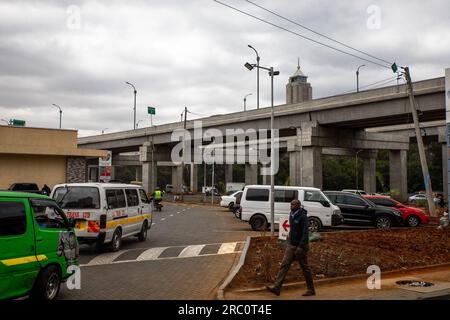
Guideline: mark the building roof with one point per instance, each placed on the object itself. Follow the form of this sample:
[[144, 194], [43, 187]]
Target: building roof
[[298, 73]]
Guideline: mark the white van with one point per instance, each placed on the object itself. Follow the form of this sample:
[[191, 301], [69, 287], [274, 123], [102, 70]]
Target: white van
[[255, 204], [105, 212]]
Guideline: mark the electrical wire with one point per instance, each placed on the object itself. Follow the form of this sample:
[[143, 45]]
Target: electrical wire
[[318, 33], [302, 36], [378, 83]]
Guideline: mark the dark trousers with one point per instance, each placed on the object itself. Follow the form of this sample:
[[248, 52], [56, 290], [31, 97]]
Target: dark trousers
[[301, 255]]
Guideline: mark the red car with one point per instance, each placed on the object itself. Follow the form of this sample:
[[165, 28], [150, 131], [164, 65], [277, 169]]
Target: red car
[[413, 216]]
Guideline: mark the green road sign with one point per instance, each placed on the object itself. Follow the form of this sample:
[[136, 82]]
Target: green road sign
[[394, 67], [151, 110], [19, 123]]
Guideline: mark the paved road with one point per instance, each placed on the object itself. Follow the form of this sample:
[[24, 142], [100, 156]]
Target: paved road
[[189, 251]]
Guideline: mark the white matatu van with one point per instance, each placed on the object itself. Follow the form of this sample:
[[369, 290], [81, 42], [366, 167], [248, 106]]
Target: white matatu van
[[255, 204], [105, 212]]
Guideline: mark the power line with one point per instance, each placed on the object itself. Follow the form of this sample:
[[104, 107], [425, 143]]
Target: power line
[[302, 36], [318, 33], [378, 83]]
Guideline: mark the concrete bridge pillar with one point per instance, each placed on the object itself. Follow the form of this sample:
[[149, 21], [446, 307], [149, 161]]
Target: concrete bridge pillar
[[177, 178], [194, 177], [312, 167], [146, 157], [445, 154], [251, 174], [398, 174], [228, 173], [370, 180]]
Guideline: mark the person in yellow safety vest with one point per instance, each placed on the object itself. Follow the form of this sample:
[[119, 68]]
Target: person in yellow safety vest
[[157, 195]]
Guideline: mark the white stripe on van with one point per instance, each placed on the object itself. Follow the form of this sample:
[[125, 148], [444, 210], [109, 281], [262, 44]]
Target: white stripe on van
[[227, 248], [191, 251], [105, 258], [151, 254]]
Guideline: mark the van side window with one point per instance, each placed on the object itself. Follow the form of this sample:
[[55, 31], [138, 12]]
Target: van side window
[[121, 198], [132, 197], [257, 195], [48, 217], [314, 196], [12, 219], [111, 199], [143, 195], [285, 196]]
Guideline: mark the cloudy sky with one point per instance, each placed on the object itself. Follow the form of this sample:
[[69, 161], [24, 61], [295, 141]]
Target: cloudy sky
[[79, 54]]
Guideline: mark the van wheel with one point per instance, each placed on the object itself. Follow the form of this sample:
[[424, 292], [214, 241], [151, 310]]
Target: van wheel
[[383, 222], [142, 236], [47, 284], [314, 225], [259, 223], [116, 241]]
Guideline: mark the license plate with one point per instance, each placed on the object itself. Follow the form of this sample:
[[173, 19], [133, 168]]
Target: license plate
[[81, 225]]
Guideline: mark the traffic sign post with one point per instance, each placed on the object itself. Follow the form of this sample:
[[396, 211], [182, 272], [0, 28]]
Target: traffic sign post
[[283, 227], [151, 111]]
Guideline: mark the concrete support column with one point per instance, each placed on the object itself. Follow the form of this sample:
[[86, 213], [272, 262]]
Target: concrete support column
[[294, 168], [312, 167], [370, 179], [251, 174], [398, 174], [194, 177], [146, 156], [177, 178], [228, 173], [445, 154]]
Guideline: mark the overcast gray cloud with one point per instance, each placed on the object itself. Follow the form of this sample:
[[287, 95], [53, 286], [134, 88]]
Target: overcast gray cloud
[[191, 53]]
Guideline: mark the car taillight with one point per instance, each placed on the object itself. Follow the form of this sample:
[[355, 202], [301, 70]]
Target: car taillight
[[103, 221], [93, 226]]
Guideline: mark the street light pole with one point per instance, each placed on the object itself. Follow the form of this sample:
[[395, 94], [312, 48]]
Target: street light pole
[[60, 114], [272, 73], [257, 76], [137, 123], [357, 77], [103, 130], [245, 101], [134, 108]]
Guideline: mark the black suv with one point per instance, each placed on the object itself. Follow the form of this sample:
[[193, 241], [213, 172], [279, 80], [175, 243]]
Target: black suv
[[359, 211]]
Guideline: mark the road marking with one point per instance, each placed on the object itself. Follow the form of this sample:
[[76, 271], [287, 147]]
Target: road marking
[[184, 209], [106, 258], [191, 251], [151, 254], [227, 248], [178, 212], [162, 219], [171, 215], [153, 223]]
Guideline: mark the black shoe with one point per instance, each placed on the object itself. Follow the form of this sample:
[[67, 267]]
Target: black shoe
[[274, 290], [309, 293]]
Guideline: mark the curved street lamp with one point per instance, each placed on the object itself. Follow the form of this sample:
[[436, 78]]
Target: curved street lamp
[[257, 76], [60, 113], [357, 77], [134, 108], [245, 101]]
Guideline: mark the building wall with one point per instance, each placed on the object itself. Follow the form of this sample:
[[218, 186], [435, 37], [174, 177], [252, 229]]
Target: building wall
[[42, 170], [76, 170]]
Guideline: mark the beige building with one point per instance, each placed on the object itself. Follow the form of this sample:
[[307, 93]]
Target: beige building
[[42, 156]]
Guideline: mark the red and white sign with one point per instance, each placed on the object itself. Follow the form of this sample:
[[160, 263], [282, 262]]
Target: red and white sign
[[283, 227]]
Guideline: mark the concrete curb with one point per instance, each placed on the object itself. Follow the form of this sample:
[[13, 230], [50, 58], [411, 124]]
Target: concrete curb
[[298, 285], [220, 292]]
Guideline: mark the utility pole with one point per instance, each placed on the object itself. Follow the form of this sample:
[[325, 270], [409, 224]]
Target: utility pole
[[184, 151], [422, 156]]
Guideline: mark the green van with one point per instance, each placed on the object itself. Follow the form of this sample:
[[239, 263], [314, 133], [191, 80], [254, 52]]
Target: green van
[[37, 245]]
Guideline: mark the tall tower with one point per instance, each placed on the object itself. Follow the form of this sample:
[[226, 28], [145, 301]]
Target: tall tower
[[298, 89]]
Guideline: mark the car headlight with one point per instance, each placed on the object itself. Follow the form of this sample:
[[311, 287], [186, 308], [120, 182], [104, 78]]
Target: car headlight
[[336, 211]]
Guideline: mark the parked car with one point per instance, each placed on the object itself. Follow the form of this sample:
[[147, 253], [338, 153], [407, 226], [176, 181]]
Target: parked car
[[412, 216], [37, 243], [255, 205], [237, 209], [417, 197], [105, 213], [358, 192], [229, 200], [357, 210], [169, 188], [25, 187]]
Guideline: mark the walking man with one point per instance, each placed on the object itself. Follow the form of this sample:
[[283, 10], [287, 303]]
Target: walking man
[[297, 249]]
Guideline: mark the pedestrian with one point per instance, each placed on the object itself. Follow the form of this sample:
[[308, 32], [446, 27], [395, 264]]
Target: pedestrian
[[46, 190], [296, 249]]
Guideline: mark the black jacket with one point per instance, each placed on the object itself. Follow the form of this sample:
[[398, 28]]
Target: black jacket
[[299, 224]]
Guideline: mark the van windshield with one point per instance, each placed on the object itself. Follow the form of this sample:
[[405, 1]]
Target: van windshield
[[77, 197]]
